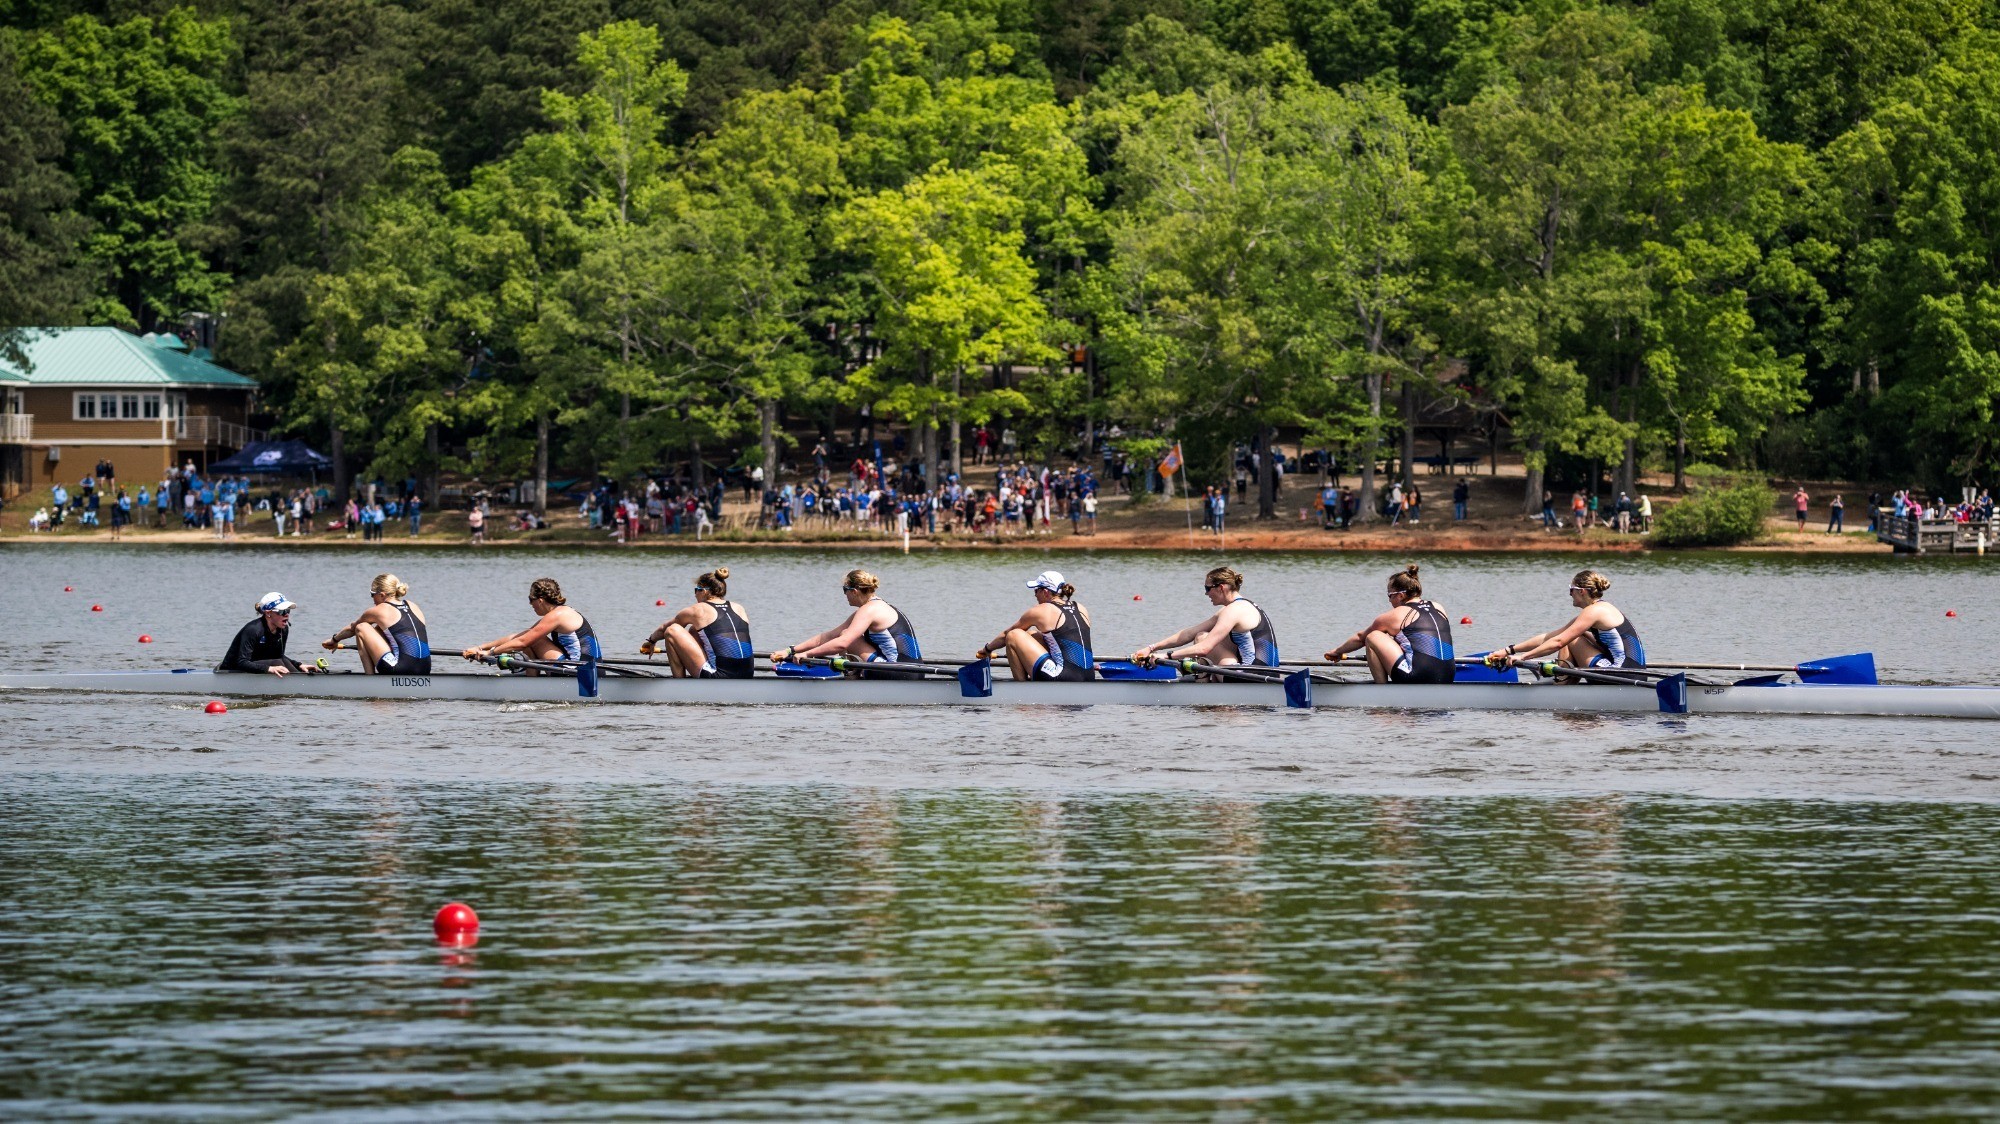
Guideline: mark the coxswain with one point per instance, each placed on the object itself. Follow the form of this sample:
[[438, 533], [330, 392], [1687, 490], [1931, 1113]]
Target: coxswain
[[1411, 642], [259, 646], [875, 631], [1598, 636], [709, 639], [391, 634], [559, 632], [1238, 633], [1052, 639]]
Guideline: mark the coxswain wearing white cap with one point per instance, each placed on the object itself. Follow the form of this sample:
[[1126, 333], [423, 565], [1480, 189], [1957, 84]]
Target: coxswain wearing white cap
[[259, 646], [1051, 640]]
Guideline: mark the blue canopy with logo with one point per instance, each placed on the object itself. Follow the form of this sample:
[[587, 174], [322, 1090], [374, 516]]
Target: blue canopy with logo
[[291, 458]]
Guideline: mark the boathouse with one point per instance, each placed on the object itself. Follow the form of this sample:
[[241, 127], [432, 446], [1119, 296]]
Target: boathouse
[[142, 403]]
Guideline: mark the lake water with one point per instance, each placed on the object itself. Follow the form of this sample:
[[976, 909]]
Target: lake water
[[1048, 913]]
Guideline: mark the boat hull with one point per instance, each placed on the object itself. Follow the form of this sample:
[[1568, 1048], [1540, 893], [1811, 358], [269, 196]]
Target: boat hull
[[1935, 702]]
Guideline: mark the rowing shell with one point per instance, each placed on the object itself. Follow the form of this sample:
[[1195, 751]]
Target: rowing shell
[[1932, 702]]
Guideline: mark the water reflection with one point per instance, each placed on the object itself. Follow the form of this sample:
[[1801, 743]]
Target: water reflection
[[821, 951]]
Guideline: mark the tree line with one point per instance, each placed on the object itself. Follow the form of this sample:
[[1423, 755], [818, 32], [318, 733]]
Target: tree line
[[601, 235]]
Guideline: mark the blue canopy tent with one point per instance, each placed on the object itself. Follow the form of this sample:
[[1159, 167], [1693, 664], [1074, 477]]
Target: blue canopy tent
[[284, 458]]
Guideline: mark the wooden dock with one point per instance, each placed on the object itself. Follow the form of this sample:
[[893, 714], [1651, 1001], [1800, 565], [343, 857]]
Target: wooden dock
[[1913, 535]]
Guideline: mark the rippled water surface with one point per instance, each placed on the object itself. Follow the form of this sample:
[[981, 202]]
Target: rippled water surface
[[1092, 913]]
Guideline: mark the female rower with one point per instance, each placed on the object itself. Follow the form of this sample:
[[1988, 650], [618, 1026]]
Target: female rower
[[392, 635], [1051, 640], [875, 631], [1599, 636], [1411, 643], [1239, 632], [559, 632], [709, 639]]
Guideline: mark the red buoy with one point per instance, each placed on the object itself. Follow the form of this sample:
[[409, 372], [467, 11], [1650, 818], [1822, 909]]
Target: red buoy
[[660, 602], [456, 919], [1465, 620], [145, 638], [216, 706], [1136, 597], [97, 608], [1951, 612], [69, 589]]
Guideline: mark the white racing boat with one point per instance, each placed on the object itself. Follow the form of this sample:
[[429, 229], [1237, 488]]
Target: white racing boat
[[1764, 696]]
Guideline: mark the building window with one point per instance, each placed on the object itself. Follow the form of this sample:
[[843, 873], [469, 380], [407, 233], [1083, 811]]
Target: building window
[[117, 407]]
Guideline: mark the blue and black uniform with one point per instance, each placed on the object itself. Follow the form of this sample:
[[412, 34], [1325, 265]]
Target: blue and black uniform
[[1069, 656], [409, 645], [725, 643], [1259, 646], [579, 645], [898, 644], [1622, 647], [1427, 650]]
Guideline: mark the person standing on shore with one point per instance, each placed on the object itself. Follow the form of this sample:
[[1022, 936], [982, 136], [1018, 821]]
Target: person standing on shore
[[415, 505], [1800, 503], [1090, 512], [1461, 494], [1835, 513], [475, 521], [1548, 510]]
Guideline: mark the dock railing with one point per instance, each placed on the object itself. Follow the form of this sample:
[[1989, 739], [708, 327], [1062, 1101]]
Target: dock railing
[[1911, 534]]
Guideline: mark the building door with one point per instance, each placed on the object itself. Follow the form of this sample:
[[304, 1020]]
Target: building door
[[175, 412]]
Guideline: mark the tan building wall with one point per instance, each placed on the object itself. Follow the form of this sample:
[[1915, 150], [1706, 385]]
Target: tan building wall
[[138, 449]]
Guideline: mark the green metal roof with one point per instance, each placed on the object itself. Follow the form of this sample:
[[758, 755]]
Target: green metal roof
[[112, 357]]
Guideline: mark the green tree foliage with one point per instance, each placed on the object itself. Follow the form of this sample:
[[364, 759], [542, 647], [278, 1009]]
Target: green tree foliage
[[1715, 516], [618, 236], [143, 100], [40, 283]]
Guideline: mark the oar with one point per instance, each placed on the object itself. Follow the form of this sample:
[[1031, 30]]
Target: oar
[[1297, 684], [975, 679], [1671, 690]]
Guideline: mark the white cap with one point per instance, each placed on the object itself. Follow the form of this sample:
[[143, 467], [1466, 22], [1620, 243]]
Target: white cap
[[273, 602], [1049, 580]]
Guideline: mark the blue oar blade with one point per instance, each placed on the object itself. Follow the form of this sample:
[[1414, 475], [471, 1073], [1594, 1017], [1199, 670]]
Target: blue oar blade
[[586, 680], [1673, 693], [1299, 690], [1480, 673], [1855, 670], [804, 671], [975, 680]]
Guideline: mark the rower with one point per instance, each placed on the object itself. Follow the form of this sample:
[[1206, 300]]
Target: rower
[[1051, 640], [875, 631], [1411, 643], [1598, 636], [559, 632], [260, 645], [709, 639], [391, 634], [1238, 633]]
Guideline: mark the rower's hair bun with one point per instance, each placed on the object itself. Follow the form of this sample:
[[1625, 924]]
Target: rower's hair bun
[[722, 572], [1411, 569]]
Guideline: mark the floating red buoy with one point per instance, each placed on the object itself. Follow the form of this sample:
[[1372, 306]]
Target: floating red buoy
[[216, 706], [69, 589], [97, 608], [1951, 612], [455, 920], [1136, 597], [145, 638], [660, 602], [1465, 620]]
